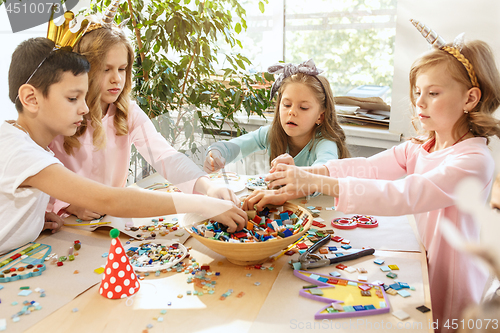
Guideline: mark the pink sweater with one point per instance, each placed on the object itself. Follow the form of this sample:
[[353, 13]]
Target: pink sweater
[[375, 186], [110, 166]]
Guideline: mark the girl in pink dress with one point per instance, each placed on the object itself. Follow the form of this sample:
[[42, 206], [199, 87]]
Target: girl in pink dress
[[454, 93], [100, 150]]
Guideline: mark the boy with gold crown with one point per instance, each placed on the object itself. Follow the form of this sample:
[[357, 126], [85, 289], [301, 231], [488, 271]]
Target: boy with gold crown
[[48, 84]]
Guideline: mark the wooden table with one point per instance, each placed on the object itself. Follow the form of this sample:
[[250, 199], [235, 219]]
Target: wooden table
[[208, 313]]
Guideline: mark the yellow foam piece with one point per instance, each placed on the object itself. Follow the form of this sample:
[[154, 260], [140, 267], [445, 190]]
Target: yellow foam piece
[[99, 270], [350, 295]]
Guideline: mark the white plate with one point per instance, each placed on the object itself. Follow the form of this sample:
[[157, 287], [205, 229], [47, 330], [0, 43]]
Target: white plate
[[232, 181], [255, 184], [156, 266]]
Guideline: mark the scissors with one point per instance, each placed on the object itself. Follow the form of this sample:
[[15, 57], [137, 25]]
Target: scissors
[[310, 260]]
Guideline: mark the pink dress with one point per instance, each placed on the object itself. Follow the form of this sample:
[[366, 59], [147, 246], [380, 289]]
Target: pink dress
[[376, 186], [110, 165]]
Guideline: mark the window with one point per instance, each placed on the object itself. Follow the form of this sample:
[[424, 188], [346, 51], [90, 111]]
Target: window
[[352, 40]]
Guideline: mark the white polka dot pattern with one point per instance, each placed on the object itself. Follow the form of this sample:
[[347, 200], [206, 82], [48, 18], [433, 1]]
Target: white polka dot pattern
[[119, 277]]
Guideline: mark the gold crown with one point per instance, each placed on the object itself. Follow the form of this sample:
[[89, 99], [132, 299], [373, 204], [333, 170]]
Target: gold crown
[[434, 39], [62, 35]]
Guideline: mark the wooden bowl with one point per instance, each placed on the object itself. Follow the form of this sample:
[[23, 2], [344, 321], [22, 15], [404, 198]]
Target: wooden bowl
[[253, 253]]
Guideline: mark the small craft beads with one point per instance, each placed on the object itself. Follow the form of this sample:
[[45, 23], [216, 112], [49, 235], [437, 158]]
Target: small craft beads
[[263, 227]]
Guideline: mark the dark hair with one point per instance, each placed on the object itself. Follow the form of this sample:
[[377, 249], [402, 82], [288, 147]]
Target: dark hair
[[29, 55]]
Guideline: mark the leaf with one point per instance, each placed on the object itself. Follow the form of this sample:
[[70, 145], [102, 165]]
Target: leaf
[[149, 35], [170, 26], [146, 64], [261, 7], [188, 129], [237, 98], [237, 28], [157, 47], [269, 77], [240, 63]]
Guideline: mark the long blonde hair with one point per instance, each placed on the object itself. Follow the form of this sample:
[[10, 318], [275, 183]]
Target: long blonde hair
[[479, 120], [329, 129], [94, 46]]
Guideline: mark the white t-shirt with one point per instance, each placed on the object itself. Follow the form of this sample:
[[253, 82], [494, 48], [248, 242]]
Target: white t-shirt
[[22, 210]]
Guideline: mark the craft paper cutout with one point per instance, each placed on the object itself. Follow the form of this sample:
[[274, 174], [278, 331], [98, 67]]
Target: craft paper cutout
[[23, 263], [343, 297]]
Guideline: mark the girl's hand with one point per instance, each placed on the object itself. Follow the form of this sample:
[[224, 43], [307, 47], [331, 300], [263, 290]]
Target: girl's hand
[[82, 213], [294, 181], [53, 221], [258, 199], [223, 193], [282, 159], [214, 161]]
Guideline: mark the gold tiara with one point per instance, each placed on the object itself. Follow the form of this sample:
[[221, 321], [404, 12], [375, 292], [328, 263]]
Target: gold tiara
[[434, 39], [63, 36]]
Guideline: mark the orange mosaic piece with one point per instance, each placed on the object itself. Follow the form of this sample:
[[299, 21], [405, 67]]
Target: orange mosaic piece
[[343, 282]]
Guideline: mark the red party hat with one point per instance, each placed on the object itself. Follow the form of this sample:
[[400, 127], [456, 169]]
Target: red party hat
[[119, 279]]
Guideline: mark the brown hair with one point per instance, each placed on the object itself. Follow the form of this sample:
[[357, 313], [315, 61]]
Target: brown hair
[[479, 120], [36, 60], [94, 46], [329, 129]]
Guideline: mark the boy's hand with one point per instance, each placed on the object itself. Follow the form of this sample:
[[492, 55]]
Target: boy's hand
[[214, 161], [223, 193], [282, 159], [53, 221], [223, 211], [260, 198], [235, 218], [82, 213]]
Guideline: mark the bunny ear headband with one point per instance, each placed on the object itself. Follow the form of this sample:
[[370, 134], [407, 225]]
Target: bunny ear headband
[[455, 50], [285, 70]]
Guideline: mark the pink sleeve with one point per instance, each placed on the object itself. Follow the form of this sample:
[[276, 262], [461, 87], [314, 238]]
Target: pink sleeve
[[389, 164], [58, 207], [174, 166], [417, 193]]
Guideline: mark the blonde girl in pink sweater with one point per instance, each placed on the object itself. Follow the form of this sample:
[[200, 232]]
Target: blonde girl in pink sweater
[[101, 147]]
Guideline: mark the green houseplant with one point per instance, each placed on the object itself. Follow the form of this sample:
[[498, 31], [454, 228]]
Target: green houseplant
[[176, 81]]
